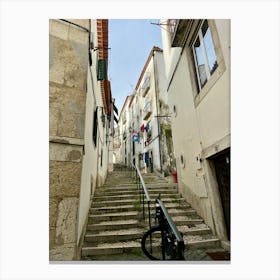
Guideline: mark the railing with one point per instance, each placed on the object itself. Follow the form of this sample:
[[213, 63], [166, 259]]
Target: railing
[[143, 192], [168, 225], [172, 243]]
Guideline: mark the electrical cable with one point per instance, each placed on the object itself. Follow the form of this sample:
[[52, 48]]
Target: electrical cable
[[82, 27]]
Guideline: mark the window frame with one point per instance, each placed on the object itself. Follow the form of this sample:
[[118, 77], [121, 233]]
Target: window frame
[[95, 126], [199, 35], [198, 94]]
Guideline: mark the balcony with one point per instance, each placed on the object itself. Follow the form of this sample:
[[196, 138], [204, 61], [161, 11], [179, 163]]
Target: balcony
[[179, 28]]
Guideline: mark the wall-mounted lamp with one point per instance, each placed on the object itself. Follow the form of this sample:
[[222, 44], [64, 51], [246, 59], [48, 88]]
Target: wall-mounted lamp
[[91, 45], [175, 112], [183, 160]]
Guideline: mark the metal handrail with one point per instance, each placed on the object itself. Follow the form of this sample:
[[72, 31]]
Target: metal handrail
[[164, 214], [143, 190], [170, 221], [143, 183]]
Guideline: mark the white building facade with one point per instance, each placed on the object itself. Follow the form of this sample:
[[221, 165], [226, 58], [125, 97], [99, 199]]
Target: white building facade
[[141, 117], [197, 63]]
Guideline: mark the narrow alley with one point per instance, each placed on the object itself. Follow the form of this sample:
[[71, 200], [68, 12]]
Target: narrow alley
[[149, 180], [139, 140]]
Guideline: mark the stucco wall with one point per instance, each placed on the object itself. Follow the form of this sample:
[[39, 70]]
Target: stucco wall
[[198, 125], [93, 174], [89, 171]]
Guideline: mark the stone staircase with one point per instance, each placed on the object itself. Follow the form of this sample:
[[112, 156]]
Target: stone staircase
[[115, 224]]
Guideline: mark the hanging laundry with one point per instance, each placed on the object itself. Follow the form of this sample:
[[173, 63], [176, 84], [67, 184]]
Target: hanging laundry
[[147, 127], [135, 137], [147, 159]]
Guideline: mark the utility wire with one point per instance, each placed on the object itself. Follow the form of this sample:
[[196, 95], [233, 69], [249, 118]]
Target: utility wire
[[82, 27]]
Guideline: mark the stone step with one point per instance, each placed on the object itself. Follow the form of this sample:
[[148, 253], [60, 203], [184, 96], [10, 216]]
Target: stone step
[[132, 201], [179, 212], [117, 184], [194, 230], [111, 248], [113, 202], [112, 225], [180, 221], [113, 197], [186, 231], [115, 193], [188, 213], [134, 187], [153, 197], [117, 181], [183, 220], [134, 192], [135, 206], [135, 246], [112, 209], [191, 242], [118, 172], [113, 217], [119, 235]]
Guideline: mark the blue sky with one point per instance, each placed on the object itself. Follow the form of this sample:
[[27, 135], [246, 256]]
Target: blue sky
[[131, 41]]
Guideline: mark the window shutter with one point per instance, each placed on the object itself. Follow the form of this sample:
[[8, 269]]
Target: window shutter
[[101, 70], [94, 130]]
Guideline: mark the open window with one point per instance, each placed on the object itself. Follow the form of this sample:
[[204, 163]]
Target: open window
[[204, 54], [95, 124]]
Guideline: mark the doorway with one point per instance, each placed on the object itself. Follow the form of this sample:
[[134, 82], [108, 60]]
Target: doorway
[[133, 152], [222, 169]]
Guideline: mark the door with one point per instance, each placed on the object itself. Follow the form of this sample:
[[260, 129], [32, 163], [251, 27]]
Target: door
[[133, 152], [222, 168]]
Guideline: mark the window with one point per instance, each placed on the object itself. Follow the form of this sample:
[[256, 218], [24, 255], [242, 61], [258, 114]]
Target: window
[[205, 58], [101, 157], [147, 109], [101, 70], [172, 23], [94, 130], [146, 85]]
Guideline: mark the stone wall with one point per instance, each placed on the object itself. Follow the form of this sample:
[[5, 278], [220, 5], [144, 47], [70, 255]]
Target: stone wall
[[68, 55]]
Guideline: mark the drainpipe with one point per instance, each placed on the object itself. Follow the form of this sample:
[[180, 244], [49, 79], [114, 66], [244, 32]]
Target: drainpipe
[[95, 108], [157, 93]]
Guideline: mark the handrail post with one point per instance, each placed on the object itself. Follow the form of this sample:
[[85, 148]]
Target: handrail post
[[167, 225], [143, 204], [143, 192], [149, 213]]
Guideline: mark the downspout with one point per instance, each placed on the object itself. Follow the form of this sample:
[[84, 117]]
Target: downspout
[[96, 108], [156, 89]]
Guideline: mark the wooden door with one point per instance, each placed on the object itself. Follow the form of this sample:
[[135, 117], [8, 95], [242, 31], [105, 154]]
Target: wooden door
[[222, 167]]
